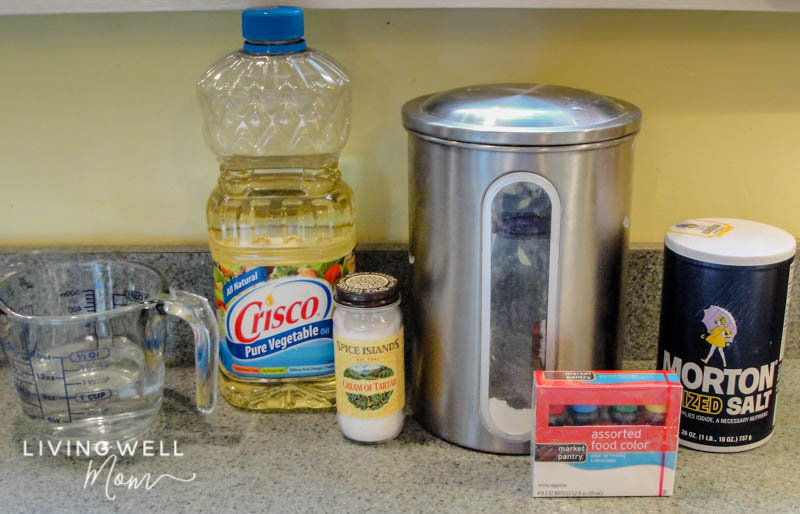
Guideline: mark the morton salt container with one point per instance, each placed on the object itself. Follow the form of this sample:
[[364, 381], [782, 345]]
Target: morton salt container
[[519, 202], [724, 312]]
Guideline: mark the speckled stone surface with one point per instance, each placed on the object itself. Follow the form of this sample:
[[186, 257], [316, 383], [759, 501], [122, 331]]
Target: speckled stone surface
[[190, 268], [645, 273], [299, 462], [643, 303]]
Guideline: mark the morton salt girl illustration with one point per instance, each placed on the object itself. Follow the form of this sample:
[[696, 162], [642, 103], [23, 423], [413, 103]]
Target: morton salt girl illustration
[[281, 220], [720, 331], [726, 292]]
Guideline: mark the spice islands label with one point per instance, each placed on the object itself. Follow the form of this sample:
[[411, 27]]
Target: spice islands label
[[277, 320], [370, 381]]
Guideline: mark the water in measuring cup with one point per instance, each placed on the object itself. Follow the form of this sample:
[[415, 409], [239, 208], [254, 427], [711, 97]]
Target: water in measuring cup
[[95, 389]]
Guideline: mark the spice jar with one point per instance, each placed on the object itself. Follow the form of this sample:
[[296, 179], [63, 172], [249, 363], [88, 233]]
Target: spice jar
[[368, 341]]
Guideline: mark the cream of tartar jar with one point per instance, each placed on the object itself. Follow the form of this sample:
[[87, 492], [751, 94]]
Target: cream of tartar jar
[[368, 345]]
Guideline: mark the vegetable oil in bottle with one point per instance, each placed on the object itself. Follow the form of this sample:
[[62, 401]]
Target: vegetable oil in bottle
[[281, 220]]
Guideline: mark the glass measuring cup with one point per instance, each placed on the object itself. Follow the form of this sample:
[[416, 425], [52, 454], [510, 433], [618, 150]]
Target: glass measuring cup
[[85, 342]]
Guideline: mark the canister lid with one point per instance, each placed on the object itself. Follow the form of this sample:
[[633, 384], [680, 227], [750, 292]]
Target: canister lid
[[521, 115], [366, 289], [730, 241]]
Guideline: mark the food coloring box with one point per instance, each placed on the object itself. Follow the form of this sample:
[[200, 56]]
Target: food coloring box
[[605, 433]]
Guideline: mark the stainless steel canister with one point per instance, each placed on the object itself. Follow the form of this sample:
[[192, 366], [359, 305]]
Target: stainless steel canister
[[519, 204]]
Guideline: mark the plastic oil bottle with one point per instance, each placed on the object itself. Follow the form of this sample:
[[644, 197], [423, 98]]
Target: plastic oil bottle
[[281, 220]]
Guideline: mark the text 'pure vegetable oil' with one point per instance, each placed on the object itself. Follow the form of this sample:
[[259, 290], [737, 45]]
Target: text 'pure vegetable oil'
[[281, 220]]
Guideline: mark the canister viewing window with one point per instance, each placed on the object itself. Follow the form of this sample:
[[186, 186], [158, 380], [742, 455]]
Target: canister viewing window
[[519, 268]]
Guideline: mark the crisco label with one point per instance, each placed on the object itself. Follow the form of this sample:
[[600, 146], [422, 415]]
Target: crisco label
[[370, 381], [276, 320]]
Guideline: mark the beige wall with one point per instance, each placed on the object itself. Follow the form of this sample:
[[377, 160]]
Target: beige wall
[[100, 137]]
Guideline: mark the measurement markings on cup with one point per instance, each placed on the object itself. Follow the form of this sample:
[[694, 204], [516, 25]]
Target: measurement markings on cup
[[66, 392], [89, 298], [37, 382], [128, 297], [27, 384], [28, 380], [36, 386]]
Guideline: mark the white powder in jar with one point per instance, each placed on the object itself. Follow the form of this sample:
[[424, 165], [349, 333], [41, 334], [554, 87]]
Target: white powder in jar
[[368, 343]]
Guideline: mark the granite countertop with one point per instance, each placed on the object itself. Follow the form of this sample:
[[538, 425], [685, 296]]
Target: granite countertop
[[299, 462]]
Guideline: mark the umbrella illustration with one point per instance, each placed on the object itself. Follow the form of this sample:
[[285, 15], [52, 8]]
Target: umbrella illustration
[[721, 329], [711, 319]]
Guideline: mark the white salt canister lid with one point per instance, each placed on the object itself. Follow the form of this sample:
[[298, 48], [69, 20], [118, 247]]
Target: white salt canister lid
[[730, 241]]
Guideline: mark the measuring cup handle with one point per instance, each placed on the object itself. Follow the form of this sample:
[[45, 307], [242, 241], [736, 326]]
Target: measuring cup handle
[[196, 311]]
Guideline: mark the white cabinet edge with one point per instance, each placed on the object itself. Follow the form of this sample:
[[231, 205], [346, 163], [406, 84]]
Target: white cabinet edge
[[8, 7]]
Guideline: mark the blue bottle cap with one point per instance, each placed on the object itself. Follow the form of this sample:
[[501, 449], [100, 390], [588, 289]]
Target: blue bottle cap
[[584, 409], [273, 30]]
